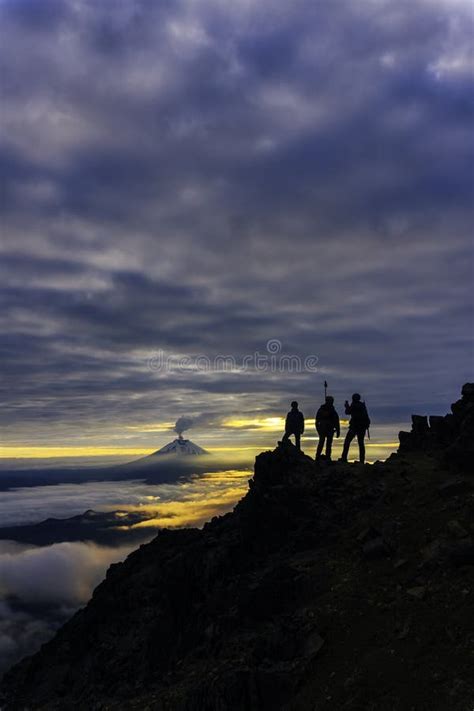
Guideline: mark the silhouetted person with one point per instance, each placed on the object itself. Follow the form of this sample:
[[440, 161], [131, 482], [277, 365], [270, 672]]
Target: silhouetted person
[[294, 425], [358, 426], [327, 423]]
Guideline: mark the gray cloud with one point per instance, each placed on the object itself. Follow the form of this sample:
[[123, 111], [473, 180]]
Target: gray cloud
[[34, 504], [42, 587], [64, 573], [201, 178], [22, 633]]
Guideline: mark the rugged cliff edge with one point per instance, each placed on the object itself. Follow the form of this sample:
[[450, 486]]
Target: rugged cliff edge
[[328, 588]]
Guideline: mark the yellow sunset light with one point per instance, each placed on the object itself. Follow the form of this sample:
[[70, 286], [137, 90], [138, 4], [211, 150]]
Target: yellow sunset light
[[268, 424], [206, 498], [28, 452]]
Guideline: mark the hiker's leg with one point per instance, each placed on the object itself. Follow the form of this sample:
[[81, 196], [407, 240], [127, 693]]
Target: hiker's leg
[[360, 439], [298, 440], [329, 444], [319, 450], [347, 443]]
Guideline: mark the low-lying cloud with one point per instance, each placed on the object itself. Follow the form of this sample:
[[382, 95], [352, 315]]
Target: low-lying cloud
[[34, 504], [22, 633], [63, 574], [29, 505], [41, 587]]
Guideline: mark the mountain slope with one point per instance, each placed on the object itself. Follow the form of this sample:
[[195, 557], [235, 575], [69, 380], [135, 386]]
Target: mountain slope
[[328, 588]]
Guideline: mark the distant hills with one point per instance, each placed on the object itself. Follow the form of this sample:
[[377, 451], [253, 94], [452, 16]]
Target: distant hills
[[112, 528]]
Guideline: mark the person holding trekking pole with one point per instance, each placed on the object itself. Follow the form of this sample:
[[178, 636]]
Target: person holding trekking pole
[[327, 424]]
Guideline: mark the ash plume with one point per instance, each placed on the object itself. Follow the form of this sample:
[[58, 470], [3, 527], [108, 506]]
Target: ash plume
[[183, 423]]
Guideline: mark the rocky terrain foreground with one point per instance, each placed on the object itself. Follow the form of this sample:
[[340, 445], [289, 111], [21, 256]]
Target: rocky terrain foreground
[[328, 588]]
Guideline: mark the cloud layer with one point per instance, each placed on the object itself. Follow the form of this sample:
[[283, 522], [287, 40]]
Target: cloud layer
[[201, 177], [191, 502], [42, 587]]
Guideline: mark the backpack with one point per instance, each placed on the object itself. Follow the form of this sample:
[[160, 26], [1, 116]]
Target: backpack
[[359, 416]]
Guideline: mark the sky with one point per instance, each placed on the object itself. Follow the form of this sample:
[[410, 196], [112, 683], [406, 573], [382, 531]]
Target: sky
[[184, 181]]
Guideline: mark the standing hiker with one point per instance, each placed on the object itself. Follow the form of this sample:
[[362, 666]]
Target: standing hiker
[[358, 426], [327, 423], [294, 425]]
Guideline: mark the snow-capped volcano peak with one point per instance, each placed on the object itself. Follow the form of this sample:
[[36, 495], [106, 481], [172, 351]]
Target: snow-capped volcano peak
[[181, 446]]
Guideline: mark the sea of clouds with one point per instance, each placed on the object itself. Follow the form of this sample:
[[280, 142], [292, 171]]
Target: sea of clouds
[[42, 587]]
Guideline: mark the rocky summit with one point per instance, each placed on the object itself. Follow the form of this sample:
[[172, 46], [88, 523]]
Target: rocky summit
[[328, 588]]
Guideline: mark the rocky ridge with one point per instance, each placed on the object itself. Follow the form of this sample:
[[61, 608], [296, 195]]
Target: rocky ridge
[[328, 588]]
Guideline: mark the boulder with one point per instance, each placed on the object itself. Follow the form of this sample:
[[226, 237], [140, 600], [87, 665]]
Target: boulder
[[449, 437], [419, 424]]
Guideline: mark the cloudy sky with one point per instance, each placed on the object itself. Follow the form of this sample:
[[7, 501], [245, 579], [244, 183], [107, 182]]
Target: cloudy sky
[[198, 178]]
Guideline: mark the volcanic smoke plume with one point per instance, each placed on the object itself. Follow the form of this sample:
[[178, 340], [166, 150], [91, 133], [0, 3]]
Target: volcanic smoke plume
[[186, 421], [183, 423]]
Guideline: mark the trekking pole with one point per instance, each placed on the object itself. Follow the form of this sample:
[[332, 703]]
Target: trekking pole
[[325, 388]]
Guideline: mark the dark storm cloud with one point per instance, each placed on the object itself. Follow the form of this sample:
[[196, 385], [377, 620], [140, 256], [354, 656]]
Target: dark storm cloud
[[31, 14], [202, 177]]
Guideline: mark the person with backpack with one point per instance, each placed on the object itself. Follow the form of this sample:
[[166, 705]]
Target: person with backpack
[[327, 423], [294, 425], [358, 426]]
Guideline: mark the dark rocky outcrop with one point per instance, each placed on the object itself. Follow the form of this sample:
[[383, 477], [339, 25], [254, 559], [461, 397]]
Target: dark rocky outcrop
[[450, 437], [330, 588]]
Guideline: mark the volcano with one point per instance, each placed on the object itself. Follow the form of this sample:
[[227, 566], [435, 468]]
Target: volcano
[[174, 460], [180, 447]]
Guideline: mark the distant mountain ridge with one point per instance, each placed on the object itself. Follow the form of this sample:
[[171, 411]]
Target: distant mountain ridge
[[102, 527], [328, 588]]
